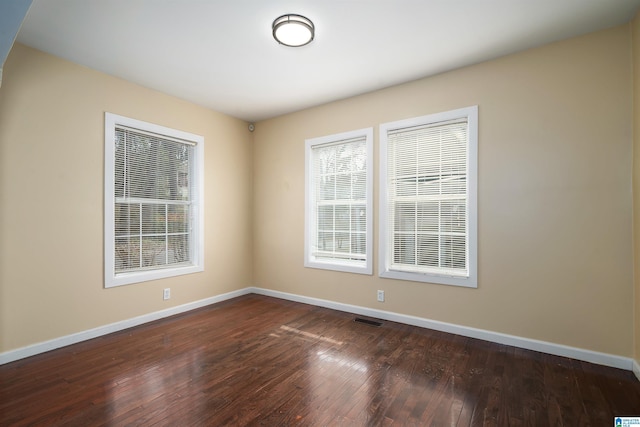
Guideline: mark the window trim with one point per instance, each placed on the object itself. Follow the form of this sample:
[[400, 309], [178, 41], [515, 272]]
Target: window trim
[[471, 281], [111, 279], [310, 220]]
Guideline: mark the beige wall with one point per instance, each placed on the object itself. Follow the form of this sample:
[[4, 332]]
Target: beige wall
[[555, 217], [635, 27], [51, 199]]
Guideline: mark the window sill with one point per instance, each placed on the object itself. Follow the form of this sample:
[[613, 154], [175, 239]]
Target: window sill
[[340, 266], [122, 279], [467, 282]]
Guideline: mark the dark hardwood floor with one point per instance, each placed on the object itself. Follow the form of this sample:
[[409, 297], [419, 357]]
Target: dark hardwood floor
[[256, 360]]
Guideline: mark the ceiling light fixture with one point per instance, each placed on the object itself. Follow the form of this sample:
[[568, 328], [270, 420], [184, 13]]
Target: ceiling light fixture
[[293, 30]]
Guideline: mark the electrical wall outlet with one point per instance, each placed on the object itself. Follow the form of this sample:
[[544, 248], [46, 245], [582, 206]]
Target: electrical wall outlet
[[380, 296], [167, 293]]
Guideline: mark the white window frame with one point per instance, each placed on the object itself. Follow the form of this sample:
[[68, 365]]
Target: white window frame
[[310, 259], [111, 279], [385, 270]]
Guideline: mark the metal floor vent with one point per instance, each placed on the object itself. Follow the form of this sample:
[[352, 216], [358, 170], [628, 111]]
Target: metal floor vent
[[367, 322]]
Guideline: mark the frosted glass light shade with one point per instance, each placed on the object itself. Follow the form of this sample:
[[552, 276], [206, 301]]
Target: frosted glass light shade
[[293, 30]]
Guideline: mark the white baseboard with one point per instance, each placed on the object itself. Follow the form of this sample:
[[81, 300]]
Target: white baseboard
[[53, 344], [515, 341], [541, 346]]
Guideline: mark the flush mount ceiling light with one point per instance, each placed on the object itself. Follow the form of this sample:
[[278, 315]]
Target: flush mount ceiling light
[[293, 30]]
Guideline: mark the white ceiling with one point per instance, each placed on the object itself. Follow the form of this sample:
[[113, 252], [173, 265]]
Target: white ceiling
[[220, 53]]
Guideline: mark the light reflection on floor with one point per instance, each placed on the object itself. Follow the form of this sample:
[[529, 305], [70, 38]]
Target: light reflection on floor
[[310, 335], [158, 384], [340, 361]]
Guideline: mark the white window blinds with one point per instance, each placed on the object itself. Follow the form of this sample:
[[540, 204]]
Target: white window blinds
[[152, 200], [338, 202], [340, 172], [427, 170], [428, 198]]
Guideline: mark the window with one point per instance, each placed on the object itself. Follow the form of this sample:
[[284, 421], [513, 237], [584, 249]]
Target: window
[[338, 202], [153, 201], [428, 186]]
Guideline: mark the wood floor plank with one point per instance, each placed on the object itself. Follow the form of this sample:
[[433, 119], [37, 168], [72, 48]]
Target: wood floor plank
[[257, 360]]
